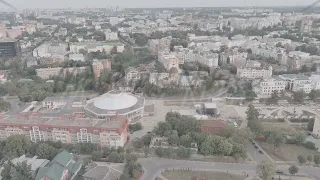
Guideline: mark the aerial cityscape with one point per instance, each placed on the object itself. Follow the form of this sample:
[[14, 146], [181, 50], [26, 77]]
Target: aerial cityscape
[[173, 92]]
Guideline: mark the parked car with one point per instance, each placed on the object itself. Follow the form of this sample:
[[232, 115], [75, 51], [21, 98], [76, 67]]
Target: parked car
[[279, 172], [260, 152]]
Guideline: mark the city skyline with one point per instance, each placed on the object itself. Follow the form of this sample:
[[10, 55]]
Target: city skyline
[[152, 4]]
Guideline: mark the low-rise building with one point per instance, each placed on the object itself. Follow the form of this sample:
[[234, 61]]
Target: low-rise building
[[3, 77], [61, 167], [97, 46], [76, 57]]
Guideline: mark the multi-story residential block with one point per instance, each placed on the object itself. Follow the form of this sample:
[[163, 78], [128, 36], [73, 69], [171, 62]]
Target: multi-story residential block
[[133, 74], [210, 60], [97, 46], [266, 87], [46, 73], [232, 57], [111, 36], [306, 25], [9, 47], [297, 82], [254, 72], [98, 66], [184, 54], [169, 61], [159, 45], [111, 132]]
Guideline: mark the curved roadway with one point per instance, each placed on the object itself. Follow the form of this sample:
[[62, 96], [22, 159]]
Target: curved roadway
[[154, 166]]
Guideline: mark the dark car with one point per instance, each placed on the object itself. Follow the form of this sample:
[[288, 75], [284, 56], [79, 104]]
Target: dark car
[[250, 140], [260, 152], [279, 172], [256, 147]]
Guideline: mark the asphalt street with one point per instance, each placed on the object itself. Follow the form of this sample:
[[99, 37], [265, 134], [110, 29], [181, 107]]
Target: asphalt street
[[254, 153], [154, 166]]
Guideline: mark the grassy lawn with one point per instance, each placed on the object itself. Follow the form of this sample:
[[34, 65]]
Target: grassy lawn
[[206, 175], [288, 152], [283, 127]]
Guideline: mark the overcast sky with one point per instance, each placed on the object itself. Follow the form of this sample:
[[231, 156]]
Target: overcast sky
[[151, 3]]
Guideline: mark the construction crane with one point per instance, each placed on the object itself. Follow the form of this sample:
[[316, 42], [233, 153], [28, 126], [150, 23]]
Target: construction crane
[[8, 4]]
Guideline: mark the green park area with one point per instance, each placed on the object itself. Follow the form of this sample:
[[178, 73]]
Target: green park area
[[187, 175]]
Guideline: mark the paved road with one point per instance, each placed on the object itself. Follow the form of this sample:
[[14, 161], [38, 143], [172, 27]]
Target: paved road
[[153, 167], [254, 153]]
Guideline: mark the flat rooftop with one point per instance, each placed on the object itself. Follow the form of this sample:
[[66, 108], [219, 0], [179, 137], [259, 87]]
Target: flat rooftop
[[112, 123]]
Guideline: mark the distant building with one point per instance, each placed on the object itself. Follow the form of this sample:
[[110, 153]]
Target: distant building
[[9, 47], [46, 73], [159, 45], [3, 77], [306, 25], [111, 36], [250, 71], [76, 57], [97, 46], [98, 66]]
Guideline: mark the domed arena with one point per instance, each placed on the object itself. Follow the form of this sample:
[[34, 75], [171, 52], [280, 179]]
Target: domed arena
[[115, 103]]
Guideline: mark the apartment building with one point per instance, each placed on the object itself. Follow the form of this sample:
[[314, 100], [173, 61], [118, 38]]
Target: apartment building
[[297, 82], [111, 36], [47, 73], [97, 46], [306, 25], [159, 45], [98, 66], [266, 87], [249, 72], [169, 61], [111, 132]]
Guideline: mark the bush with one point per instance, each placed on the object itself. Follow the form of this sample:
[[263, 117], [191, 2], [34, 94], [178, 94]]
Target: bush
[[159, 152], [309, 145], [316, 159], [135, 127]]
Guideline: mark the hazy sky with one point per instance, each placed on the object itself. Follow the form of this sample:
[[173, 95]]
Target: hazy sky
[[151, 3]]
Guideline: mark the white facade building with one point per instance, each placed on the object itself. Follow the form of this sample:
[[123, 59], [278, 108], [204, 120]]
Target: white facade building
[[254, 73], [266, 87]]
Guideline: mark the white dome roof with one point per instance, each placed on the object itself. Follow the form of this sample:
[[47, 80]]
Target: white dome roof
[[115, 100]]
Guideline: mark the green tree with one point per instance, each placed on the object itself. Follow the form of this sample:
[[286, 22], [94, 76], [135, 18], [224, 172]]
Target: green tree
[[275, 96], [299, 96], [96, 155], [45, 151], [5, 174], [162, 127], [265, 170], [4, 105], [277, 139], [137, 143], [316, 159], [300, 138], [242, 135], [114, 157], [17, 145], [252, 113], [159, 152], [293, 170], [186, 140], [314, 95], [302, 159], [250, 95], [183, 152], [238, 151], [147, 139]]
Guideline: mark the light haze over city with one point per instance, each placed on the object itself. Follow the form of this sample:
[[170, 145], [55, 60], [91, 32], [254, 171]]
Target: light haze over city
[[152, 3]]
